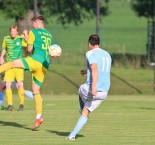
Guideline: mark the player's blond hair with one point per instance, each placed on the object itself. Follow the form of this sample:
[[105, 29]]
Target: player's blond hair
[[14, 27]]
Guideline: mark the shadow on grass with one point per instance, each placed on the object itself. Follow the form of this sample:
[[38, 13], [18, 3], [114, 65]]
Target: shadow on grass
[[124, 81], [63, 133], [114, 75], [66, 78], [147, 108], [14, 124], [144, 108]]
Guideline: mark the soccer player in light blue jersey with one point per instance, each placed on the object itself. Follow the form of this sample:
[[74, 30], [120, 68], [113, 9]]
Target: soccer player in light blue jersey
[[95, 90]]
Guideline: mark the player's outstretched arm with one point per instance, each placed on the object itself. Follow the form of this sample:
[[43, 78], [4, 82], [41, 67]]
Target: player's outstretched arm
[[24, 34], [2, 56]]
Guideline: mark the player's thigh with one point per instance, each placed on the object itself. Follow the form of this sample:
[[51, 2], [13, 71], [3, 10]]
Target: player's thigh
[[9, 75], [19, 74], [86, 94], [100, 96], [83, 92], [37, 69], [92, 105], [28, 63], [39, 75]]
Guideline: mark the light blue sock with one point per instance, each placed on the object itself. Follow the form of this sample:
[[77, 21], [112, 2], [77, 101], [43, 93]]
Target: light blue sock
[[1, 98], [13, 84], [29, 94], [81, 122]]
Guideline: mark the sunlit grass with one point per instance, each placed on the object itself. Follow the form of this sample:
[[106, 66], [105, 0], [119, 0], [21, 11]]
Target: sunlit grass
[[120, 120]]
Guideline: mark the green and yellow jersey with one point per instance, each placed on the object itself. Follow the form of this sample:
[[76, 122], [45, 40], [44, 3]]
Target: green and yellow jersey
[[41, 40], [13, 47]]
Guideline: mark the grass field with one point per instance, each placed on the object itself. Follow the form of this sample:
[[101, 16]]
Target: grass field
[[125, 118], [120, 120], [65, 79]]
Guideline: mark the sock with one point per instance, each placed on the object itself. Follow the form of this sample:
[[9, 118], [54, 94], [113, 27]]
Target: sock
[[38, 116], [81, 122], [5, 67], [38, 103], [21, 95], [9, 96], [28, 94], [1, 98]]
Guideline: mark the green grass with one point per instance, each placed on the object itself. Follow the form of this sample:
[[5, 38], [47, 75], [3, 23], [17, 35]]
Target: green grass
[[120, 120], [131, 81], [125, 118], [65, 79], [123, 31]]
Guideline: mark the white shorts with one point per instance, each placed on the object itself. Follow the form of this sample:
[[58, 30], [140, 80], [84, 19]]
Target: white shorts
[[91, 102]]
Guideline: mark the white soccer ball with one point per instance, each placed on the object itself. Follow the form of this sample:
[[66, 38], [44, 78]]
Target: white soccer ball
[[55, 50]]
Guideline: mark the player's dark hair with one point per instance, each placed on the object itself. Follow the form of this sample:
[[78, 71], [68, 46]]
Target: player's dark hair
[[38, 17], [94, 40]]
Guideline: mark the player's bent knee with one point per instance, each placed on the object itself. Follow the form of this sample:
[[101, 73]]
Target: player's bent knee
[[35, 93], [20, 85], [85, 112]]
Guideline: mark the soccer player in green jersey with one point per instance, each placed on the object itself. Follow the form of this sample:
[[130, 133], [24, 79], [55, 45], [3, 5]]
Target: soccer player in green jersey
[[39, 40], [12, 49]]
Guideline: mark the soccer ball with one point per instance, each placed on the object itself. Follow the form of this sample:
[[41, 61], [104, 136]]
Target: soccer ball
[[55, 50]]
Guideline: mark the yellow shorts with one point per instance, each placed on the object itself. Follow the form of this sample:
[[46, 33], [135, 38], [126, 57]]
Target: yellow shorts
[[14, 74], [37, 69]]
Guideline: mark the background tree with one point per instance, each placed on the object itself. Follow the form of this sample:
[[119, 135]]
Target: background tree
[[145, 8], [65, 11]]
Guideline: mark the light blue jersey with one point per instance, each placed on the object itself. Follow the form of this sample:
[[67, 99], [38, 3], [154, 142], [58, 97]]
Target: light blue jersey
[[103, 61]]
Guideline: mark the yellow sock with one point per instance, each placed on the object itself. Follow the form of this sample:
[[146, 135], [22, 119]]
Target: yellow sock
[[38, 103], [5, 67], [21, 95], [9, 96]]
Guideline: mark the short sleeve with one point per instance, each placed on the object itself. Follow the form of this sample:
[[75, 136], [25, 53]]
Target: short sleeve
[[4, 44], [31, 38], [91, 57]]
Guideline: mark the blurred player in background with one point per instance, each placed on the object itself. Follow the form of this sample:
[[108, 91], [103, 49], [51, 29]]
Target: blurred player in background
[[12, 49], [2, 87], [39, 41], [95, 90], [14, 84]]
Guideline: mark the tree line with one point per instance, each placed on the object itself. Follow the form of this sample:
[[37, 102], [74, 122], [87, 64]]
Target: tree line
[[76, 11]]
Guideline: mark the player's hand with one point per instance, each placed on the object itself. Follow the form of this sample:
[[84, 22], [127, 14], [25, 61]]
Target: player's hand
[[24, 34], [83, 72]]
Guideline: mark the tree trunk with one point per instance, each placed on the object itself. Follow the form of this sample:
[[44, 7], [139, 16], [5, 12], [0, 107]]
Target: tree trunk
[[25, 23]]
